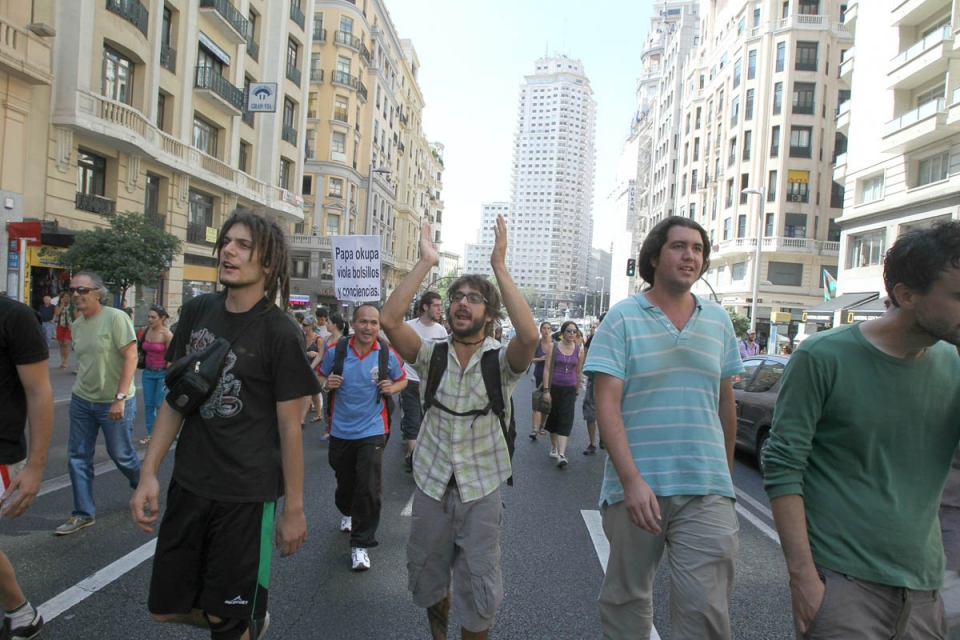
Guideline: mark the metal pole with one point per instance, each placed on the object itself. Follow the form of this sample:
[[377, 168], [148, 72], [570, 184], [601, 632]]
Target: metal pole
[[756, 263]]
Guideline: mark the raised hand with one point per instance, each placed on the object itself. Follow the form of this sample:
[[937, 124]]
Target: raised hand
[[499, 255], [428, 248]]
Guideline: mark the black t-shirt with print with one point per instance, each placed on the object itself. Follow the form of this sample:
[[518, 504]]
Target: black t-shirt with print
[[21, 342], [229, 449]]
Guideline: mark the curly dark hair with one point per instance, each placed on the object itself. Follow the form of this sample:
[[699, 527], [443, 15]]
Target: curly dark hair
[[486, 288], [918, 258], [271, 246], [426, 300], [657, 237]]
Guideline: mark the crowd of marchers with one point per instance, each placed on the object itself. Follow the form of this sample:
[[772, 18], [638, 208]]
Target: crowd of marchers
[[864, 438]]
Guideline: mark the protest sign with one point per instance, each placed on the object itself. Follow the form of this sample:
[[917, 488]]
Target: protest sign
[[356, 268]]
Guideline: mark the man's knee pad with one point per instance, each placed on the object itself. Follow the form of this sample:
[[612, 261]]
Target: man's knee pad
[[228, 628]]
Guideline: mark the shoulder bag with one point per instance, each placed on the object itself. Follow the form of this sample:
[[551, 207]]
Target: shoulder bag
[[541, 404]]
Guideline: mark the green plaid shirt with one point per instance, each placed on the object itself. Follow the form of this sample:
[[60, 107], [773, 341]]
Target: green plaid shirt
[[472, 447]]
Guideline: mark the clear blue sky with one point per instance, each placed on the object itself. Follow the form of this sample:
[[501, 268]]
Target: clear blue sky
[[473, 58]]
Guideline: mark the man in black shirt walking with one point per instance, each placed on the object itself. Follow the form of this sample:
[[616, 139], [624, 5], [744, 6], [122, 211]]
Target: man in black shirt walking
[[238, 453]]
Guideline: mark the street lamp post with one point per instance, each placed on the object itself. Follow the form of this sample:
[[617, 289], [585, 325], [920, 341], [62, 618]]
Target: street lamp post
[[603, 284], [756, 255]]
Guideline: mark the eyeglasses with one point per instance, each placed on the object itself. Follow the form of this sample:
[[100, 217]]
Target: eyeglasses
[[81, 290], [306, 324], [570, 331], [472, 297]]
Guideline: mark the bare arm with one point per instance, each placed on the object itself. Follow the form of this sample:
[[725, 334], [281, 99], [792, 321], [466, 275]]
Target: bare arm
[[547, 358], [35, 379], [806, 589], [401, 335], [144, 505], [129, 353], [521, 348], [641, 503], [728, 419], [292, 525], [583, 356]]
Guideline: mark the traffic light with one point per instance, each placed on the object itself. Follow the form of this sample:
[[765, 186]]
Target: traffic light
[[631, 267]]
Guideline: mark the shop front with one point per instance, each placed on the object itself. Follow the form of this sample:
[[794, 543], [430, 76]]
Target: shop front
[[198, 280], [866, 311], [823, 315], [44, 276]]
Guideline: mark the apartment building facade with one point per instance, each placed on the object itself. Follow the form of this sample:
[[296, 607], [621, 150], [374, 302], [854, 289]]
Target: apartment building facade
[[370, 169], [147, 113], [552, 181], [902, 168], [760, 96], [26, 74], [477, 254]]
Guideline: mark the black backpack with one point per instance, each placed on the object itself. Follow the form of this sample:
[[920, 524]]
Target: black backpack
[[490, 370], [340, 354]]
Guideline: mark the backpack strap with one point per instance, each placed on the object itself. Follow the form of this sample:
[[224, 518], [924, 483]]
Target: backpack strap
[[438, 366], [339, 355], [490, 369]]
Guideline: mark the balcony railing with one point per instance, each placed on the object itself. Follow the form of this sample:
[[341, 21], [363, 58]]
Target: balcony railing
[[340, 115], [931, 40], [233, 17], [289, 134], [156, 219], [361, 91], [253, 49], [801, 152], [94, 204], [293, 74], [316, 75], [403, 119], [168, 58], [923, 111], [319, 34], [131, 11], [209, 78], [347, 40], [296, 15], [345, 79], [197, 234], [804, 107], [247, 118], [805, 65], [364, 53]]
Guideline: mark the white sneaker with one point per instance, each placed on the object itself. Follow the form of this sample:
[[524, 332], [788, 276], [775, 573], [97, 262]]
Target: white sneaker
[[553, 453], [346, 524], [561, 461], [360, 559]]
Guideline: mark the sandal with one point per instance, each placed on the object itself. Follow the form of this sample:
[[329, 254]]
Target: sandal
[[145, 440], [533, 436], [316, 418], [543, 432]]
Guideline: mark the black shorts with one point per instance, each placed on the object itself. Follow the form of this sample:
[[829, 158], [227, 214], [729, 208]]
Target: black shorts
[[213, 556]]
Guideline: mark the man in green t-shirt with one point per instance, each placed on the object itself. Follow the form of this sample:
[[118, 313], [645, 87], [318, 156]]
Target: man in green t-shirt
[[865, 427], [106, 347]]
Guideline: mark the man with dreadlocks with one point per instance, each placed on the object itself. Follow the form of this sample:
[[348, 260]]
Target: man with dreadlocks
[[238, 453]]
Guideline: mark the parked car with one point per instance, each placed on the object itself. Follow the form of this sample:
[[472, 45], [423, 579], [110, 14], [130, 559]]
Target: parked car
[[756, 394]]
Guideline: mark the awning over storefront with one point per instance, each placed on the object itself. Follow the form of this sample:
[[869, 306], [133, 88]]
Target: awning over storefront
[[866, 311], [824, 311]]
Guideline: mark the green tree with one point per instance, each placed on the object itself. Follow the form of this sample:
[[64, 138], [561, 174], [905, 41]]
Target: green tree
[[131, 251], [741, 324], [532, 296]]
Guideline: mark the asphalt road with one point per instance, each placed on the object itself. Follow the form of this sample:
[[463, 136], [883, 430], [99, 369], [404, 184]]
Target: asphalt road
[[93, 584]]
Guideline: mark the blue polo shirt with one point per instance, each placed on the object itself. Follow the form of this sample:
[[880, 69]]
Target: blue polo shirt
[[356, 411], [671, 393]]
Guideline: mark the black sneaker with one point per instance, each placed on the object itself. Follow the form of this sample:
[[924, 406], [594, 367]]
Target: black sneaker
[[589, 451], [26, 631]]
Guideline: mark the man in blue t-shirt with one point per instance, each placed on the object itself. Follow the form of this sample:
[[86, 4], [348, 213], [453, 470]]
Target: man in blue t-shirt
[[664, 362], [359, 426]]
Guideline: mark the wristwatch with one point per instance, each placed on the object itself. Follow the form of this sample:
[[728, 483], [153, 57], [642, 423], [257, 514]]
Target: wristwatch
[[121, 396]]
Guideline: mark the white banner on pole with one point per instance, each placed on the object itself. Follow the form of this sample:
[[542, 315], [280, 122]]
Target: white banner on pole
[[356, 267]]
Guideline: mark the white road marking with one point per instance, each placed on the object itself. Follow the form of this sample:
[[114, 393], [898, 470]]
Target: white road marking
[[408, 509], [595, 528], [758, 523], [88, 586], [746, 497]]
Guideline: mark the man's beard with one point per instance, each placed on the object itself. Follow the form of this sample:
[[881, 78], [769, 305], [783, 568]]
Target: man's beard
[[940, 331], [475, 327]]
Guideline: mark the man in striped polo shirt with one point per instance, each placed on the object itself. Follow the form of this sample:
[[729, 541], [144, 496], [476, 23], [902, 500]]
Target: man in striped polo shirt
[[663, 363]]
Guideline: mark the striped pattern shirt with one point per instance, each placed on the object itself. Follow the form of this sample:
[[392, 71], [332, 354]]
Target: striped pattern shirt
[[472, 448], [671, 394]]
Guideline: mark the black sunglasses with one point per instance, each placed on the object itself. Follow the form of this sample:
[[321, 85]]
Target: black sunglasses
[[82, 290]]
